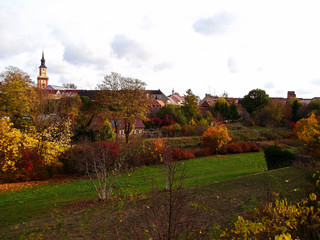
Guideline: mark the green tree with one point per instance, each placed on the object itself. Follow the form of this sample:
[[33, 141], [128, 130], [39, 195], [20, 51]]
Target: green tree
[[170, 114], [18, 99], [123, 99], [233, 112], [107, 132], [190, 106], [255, 100], [295, 105], [221, 108], [314, 106]]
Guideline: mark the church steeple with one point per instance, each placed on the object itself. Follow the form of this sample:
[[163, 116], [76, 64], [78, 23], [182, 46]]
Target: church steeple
[[43, 78], [43, 61]]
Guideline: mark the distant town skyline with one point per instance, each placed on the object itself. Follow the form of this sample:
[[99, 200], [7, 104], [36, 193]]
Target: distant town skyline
[[208, 46]]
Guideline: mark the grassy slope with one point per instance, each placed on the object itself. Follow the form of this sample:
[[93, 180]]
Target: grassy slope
[[17, 207], [221, 201]]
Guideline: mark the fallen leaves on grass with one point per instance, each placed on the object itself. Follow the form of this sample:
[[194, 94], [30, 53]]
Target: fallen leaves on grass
[[22, 185]]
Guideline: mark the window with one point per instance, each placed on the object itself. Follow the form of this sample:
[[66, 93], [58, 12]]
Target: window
[[136, 131], [121, 132]]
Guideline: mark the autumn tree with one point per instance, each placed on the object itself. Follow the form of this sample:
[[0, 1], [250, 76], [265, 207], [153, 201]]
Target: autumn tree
[[69, 106], [190, 106], [272, 114], [18, 99], [123, 99], [215, 137], [308, 131], [255, 100], [19, 148]]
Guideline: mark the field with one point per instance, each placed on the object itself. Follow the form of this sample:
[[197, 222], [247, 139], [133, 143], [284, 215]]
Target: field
[[230, 185]]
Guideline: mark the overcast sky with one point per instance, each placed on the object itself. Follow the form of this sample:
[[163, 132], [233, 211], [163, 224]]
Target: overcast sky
[[209, 46]]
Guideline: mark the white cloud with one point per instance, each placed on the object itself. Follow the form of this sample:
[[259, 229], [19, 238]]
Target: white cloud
[[124, 47], [207, 45], [213, 25]]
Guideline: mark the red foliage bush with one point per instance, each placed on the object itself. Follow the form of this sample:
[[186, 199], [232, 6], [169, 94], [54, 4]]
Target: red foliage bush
[[178, 154], [111, 149], [224, 149], [245, 147], [239, 147], [203, 152], [254, 147], [234, 148], [31, 167]]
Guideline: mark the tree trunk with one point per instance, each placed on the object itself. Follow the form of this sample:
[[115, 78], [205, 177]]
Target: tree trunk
[[103, 194]]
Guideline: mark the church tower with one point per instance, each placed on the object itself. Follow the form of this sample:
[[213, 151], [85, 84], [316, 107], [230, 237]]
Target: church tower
[[43, 78]]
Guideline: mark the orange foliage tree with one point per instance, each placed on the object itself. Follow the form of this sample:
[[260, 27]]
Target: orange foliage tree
[[308, 131], [215, 137]]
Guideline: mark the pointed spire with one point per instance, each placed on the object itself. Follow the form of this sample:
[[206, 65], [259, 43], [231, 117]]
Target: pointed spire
[[43, 61]]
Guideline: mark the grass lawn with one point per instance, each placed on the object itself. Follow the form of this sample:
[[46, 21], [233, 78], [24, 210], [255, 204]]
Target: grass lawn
[[220, 203], [43, 200]]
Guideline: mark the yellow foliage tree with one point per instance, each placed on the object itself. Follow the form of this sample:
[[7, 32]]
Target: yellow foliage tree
[[216, 136], [18, 99], [308, 131], [10, 144], [48, 144]]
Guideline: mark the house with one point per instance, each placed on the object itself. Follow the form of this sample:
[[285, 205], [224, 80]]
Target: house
[[157, 95], [97, 121], [138, 128], [176, 99], [155, 105], [58, 91], [207, 102]]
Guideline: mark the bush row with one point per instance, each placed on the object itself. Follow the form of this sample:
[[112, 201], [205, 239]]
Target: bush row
[[231, 148], [132, 155]]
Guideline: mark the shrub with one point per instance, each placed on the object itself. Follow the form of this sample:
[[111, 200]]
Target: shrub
[[297, 221], [253, 147], [179, 154], [176, 128], [215, 137], [239, 147], [73, 159], [277, 158], [31, 167], [202, 152], [245, 147], [234, 148], [165, 130]]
